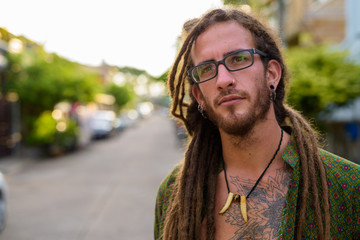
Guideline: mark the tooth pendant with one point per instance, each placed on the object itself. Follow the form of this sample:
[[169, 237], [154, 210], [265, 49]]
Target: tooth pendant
[[243, 208], [228, 202], [236, 197]]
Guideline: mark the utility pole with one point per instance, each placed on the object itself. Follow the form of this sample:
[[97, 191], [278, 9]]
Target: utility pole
[[282, 21]]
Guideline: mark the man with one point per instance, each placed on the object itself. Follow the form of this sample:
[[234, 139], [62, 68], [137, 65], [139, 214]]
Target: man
[[252, 169]]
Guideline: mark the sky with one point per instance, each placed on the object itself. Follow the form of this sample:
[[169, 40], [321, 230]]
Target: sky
[[140, 34]]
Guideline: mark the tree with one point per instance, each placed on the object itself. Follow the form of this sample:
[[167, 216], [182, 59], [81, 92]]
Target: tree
[[320, 77], [123, 94], [41, 80], [163, 77]]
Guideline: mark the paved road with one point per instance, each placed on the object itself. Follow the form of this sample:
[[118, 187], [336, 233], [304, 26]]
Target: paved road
[[104, 192]]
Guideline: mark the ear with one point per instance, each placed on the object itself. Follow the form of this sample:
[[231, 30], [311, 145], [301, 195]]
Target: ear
[[273, 73], [198, 94]]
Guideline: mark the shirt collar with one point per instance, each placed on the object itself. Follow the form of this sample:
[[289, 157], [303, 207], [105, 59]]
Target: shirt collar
[[290, 154]]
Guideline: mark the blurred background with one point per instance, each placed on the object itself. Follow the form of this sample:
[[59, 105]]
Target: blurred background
[[85, 134]]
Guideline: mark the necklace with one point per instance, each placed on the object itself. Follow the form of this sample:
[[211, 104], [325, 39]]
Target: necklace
[[235, 197]]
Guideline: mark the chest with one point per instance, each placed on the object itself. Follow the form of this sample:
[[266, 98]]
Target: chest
[[263, 208]]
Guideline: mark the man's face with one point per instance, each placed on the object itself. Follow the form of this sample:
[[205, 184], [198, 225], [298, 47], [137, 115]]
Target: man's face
[[234, 101]]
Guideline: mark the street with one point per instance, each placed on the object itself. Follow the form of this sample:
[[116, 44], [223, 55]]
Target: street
[[105, 191]]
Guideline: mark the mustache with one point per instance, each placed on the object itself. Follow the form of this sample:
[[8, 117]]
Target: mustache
[[232, 92]]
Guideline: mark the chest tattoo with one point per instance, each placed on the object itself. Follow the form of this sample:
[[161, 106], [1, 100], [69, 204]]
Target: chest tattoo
[[264, 206]]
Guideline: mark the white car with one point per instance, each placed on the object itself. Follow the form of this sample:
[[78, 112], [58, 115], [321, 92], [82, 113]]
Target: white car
[[3, 198], [102, 123]]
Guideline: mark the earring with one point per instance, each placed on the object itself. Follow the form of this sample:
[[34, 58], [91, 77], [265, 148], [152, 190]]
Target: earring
[[273, 95], [201, 110]]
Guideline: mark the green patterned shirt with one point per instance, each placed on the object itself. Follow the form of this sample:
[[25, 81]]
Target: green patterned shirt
[[344, 197]]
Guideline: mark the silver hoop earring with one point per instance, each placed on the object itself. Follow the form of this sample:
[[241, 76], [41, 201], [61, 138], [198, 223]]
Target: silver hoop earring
[[201, 110]]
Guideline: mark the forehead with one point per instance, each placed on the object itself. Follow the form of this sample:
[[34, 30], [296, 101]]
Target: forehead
[[219, 39]]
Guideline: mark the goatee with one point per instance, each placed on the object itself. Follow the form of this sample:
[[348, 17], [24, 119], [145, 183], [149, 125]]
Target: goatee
[[241, 124]]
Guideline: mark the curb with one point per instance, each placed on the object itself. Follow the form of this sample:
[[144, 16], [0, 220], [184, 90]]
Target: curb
[[11, 165]]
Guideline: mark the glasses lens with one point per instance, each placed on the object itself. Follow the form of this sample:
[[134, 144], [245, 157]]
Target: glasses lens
[[239, 60], [204, 72]]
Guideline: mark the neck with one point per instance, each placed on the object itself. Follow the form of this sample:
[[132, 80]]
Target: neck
[[249, 155]]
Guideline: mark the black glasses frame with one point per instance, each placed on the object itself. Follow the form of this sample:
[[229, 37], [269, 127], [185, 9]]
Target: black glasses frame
[[252, 51]]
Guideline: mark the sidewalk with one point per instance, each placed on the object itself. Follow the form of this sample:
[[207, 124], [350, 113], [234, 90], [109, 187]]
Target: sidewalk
[[13, 164]]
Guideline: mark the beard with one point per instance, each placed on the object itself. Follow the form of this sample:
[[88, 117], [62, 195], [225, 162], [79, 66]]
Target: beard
[[237, 124]]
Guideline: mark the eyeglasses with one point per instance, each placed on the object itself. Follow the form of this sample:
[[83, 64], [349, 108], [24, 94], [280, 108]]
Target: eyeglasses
[[233, 62]]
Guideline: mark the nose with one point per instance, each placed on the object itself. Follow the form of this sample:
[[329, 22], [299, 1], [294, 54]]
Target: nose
[[225, 78]]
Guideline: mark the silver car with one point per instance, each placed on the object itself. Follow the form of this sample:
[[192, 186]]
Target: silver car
[[3, 196]]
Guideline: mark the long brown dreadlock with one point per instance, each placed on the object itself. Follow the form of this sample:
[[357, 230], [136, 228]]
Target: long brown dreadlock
[[193, 198]]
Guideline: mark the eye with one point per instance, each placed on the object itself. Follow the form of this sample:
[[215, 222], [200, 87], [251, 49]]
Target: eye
[[237, 58], [205, 69]]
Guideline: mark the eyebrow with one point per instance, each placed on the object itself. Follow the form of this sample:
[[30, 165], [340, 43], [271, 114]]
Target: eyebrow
[[224, 56], [231, 52]]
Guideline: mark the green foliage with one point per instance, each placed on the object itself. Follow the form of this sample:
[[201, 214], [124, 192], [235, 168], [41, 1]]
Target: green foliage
[[65, 140], [44, 133], [235, 2], [44, 130], [163, 77], [122, 94], [320, 77], [134, 71], [41, 80]]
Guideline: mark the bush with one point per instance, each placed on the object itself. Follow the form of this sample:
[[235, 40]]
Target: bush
[[42, 80], [46, 134], [320, 77], [44, 130]]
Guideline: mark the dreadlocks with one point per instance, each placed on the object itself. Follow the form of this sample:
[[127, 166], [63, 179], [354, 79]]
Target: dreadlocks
[[193, 198]]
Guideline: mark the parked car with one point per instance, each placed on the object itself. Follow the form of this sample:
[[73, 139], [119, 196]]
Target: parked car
[[127, 119], [102, 124], [3, 199]]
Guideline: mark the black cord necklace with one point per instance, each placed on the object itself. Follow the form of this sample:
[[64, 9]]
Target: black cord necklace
[[232, 196]]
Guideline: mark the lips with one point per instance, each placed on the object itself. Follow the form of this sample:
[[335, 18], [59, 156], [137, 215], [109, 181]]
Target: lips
[[229, 99]]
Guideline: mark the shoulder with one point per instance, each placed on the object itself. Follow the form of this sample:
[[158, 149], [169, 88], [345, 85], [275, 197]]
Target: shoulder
[[336, 164], [167, 183], [162, 200], [341, 171], [343, 178]]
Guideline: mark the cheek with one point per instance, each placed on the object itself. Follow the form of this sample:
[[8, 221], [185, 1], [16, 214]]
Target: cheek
[[206, 91], [259, 81], [206, 87]]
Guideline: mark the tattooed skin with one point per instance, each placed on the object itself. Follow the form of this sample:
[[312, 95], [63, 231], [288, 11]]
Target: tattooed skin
[[264, 206]]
